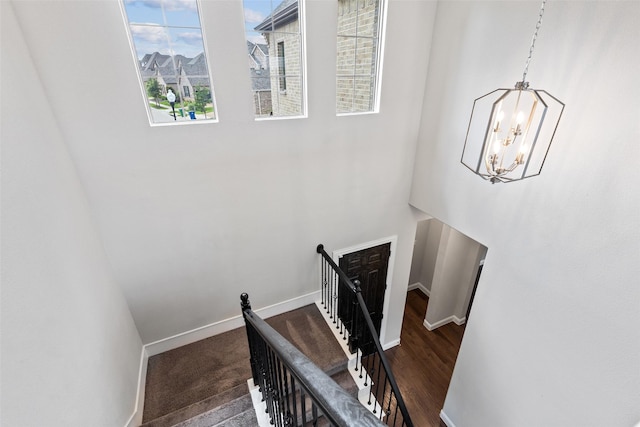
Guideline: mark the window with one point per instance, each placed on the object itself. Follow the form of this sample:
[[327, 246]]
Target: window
[[358, 55], [275, 44], [169, 50], [281, 67]]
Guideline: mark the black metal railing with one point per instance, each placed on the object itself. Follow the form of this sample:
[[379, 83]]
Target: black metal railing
[[295, 391], [342, 299]]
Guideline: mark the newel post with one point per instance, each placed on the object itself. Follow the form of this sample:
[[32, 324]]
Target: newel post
[[244, 302], [246, 306]]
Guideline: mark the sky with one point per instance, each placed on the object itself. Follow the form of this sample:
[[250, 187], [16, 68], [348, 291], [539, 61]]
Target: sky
[[173, 26]]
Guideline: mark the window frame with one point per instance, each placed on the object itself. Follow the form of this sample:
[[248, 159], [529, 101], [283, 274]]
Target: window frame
[[302, 29], [142, 83], [282, 67]]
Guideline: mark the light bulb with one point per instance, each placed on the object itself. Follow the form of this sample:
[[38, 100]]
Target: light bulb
[[499, 118], [496, 147]]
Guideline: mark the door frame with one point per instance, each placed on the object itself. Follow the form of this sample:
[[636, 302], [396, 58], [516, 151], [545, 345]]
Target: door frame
[[393, 240]]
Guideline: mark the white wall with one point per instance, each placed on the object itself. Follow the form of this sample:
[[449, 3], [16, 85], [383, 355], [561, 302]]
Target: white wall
[[431, 252], [191, 216], [456, 266], [553, 338], [417, 259], [70, 349]]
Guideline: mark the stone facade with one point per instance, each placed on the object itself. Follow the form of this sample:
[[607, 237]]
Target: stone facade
[[262, 103], [286, 101], [357, 50], [356, 61]]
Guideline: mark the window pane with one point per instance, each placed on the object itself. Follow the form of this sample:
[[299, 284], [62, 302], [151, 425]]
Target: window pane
[[274, 48], [169, 48], [346, 56], [365, 57], [354, 94], [286, 102], [358, 48], [367, 18]]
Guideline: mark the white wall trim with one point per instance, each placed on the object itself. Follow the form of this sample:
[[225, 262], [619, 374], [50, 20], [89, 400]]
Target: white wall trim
[[390, 344], [432, 326], [459, 321], [339, 253], [445, 419], [226, 325], [422, 288], [136, 418]]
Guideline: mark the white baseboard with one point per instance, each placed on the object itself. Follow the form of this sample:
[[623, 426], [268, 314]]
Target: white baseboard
[[386, 346], [455, 319], [422, 288], [226, 325], [446, 419], [136, 418], [201, 333]]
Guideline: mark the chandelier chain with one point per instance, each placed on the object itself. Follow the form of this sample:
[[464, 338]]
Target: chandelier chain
[[533, 42]]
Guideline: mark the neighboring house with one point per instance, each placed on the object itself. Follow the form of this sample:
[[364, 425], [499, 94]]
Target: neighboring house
[[180, 73], [356, 55], [284, 58], [260, 77], [357, 49]]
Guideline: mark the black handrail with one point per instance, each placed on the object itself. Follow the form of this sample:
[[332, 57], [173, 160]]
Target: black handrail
[[281, 371], [354, 287]]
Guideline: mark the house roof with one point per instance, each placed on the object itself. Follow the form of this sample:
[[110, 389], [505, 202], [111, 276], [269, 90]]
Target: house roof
[[260, 80], [154, 64], [259, 66], [258, 55], [285, 12]]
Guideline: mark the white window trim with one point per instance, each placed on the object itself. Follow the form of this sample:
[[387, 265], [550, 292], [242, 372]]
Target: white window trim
[[302, 22], [125, 20]]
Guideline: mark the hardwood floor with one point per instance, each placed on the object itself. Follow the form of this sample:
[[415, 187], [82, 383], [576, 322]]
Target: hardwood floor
[[423, 362]]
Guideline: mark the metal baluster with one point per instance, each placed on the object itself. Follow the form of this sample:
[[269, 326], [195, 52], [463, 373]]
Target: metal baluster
[[355, 333], [272, 389], [384, 392], [303, 406], [325, 284], [268, 393], [279, 392], [371, 382], [367, 371], [334, 299], [287, 396], [314, 413], [391, 395], [295, 400], [378, 383], [395, 415]]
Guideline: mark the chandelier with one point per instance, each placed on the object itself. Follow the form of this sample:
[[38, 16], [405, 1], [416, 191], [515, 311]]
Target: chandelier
[[513, 143]]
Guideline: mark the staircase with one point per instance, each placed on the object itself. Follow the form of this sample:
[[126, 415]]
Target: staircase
[[204, 384]]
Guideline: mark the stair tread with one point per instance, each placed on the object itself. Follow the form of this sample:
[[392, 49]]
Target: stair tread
[[236, 413], [190, 382], [323, 349], [195, 372], [215, 406]]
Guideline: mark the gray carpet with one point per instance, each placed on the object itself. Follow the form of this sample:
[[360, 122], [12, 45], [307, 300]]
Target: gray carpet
[[195, 379]]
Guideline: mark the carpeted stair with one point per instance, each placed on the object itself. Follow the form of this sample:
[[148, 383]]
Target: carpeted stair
[[204, 384]]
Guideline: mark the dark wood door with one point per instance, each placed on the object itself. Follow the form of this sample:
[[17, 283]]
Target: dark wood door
[[370, 267]]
